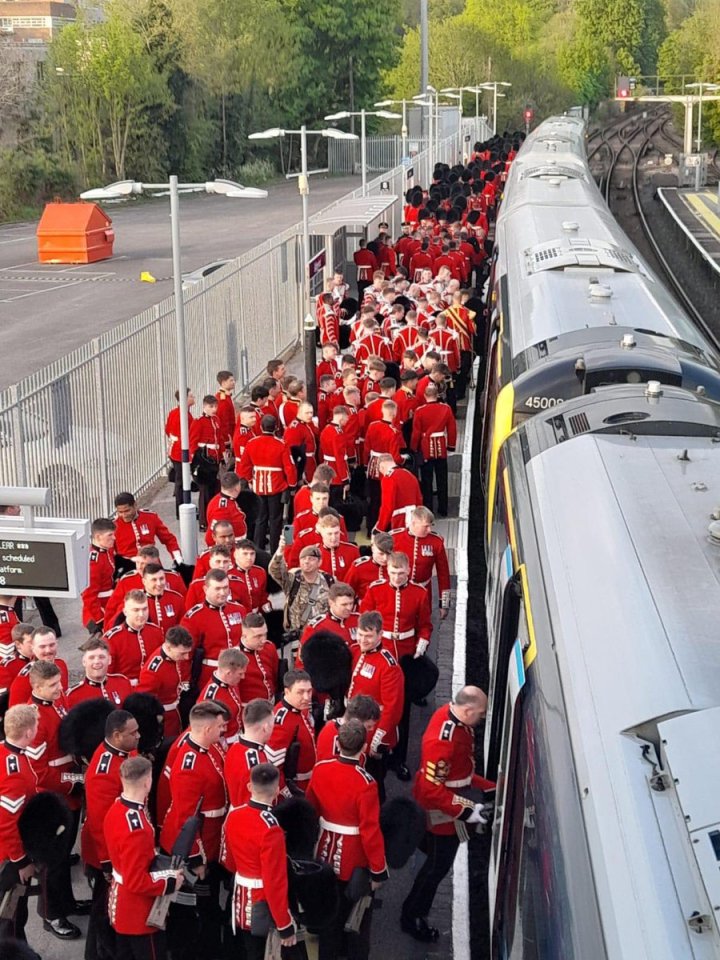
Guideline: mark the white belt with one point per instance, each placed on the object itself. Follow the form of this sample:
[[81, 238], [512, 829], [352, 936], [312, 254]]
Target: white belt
[[252, 883], [339, 828], [465, 782], [210, 663], [398, 636], [303, 776], [170, 706], [374, 453], [213, 814], [60, 761], [440, 434], [326, 457], [210, 446], [105, 593], [271, 469], [404, 510], [173, 438], [116, 877]]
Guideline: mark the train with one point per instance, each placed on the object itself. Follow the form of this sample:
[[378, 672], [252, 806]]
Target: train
[[602, 595]]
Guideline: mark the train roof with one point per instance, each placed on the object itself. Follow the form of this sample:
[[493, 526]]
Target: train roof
[[623, 486]]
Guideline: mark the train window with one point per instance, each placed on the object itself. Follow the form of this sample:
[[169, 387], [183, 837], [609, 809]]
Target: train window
[[491, 392], [506, 633]]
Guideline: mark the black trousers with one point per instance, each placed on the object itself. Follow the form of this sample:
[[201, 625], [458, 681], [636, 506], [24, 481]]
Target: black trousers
[[207, 492], [464, 374], [435, 471], [56, 898], [377, 767], [400, 751], [269, 522], [357, 945], [144, 946], [177, 486], [440, 852], [100, 942], [253, 948], [372, 492]]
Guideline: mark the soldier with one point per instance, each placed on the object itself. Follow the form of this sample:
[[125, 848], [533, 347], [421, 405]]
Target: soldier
[[133, 580], [327, 314], [268, 466], [377, 674], [44, 647], [359, 707], [223, 687], [447, 764], [221, 558], [381, 437], [21, 636], [165, 605], [248, 750], [166, 674], [8, 619], [18, 784], [249, 583], [288, 410], [434, 436], [302, 499], [131, 642], [366, 570], [463, 323], [136, 881], [426, 552], [102, 574], [261, 678], [399, 494], [336, 555], [209, 440], [302, 437], [365, 265], [346, 799], [216, 623], [226, 407], [305, 587], [255, 853], [98, 682], [174, 445], [339, 618], [135, 528], [334, 446], [444, 341], [102, 787], [291, 747], [223, 536], [224, 506]]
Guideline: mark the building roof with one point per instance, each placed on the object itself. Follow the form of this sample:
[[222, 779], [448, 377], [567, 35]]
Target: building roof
[[19, 8]]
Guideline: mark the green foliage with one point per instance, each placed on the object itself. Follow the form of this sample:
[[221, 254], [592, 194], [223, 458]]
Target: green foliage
[[29, 178], [255, 173]]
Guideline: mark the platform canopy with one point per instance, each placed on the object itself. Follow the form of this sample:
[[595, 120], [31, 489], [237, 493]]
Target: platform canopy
[[359, 212]]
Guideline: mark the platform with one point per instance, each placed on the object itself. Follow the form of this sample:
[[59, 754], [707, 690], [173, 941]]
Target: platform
[[697, 213]]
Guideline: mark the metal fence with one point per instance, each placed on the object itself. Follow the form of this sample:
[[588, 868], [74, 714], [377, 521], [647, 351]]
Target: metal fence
[[92, 423]]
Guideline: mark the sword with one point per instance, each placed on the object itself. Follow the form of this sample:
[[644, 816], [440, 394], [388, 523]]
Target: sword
[[179, 855]]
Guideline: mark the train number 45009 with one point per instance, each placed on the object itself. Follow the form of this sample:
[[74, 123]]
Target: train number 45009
[[542, 403]]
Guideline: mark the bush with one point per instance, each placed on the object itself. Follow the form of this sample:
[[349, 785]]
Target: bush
[[255, 173], [28, 179]]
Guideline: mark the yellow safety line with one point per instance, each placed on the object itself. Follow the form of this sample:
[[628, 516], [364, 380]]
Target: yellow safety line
[[703, 210]]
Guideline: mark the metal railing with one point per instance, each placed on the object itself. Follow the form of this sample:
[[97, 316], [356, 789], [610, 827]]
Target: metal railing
[[92, 423]]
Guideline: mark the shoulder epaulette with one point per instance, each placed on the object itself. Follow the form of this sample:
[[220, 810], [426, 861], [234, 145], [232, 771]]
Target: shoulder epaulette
[[389, 657], [155, 663], [193, 610]]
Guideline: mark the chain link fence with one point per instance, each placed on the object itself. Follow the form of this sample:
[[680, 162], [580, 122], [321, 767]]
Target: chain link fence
[[92, 423]]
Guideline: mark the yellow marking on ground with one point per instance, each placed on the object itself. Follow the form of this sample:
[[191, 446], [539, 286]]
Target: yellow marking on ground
[[705, 208]]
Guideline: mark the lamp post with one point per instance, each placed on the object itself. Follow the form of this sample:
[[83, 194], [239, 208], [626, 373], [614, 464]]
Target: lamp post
[[226, 188], [308, 325], [493, 85], [403, 129], [700, 87], [344, 115], [423, 101], [456, 94]]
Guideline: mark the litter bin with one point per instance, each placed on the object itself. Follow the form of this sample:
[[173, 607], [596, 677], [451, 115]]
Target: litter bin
[[74, 233]]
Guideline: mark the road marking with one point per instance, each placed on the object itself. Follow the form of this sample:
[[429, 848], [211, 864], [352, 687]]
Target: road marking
[[35, 293], [16, 239], [704, 211]]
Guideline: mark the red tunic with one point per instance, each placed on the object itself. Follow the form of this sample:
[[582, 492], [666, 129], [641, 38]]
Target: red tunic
[[463, 325], [133, 581], [54, 769], [372, 345], [242, 756], [102, 788], [10, 667], [399, 494], [346, 629], [337, 561], [254, 850], [261, 676], [405, 339], [8, 619], [96, 595], [381, 437], [225, 415], [293, 725], [216, 689], [249, 588], [304, 524], [306, 436], [267, 465], [378, 675], [446, 343], [208, 436], [447, 763], [365, 265], [241, 437], [334, 444], [130, 648], [166, 610], [130, 840], [197, 772], [407, 403], [114, 688], [406, 615], [18, 783], [363, 572], [346, 799], [328, 320], [166, 679], [434, 431], [222, 507], [214, 629], [424, 554], [143, 531], [20, 689], [172, 432]]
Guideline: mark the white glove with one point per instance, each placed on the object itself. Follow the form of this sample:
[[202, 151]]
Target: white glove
[[479, 815], [420, 649], [177, 556], [376, 741]]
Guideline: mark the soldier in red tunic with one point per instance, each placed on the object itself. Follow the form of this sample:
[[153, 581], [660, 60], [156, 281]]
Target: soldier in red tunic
[[44, 647], [174, 444], [10, 666], [381, 437], [224, 506], [255, 852], [268, 466], [366, 570], [102, 574], [223, 687], [399, 494], [8, 619], [216, 623], [226, 406], [447, 764], [166, 674], [249, 580], [426, 552], [132, 642], [165, 605], [302, 437], [261, 676], [102, 788], [98, 682], [339, 618], [334, 446], [208, 437], [135, 528], [359, 707], [133, 580], [130, 839], [434, 436], [346, 798], [292, 744], [248, 751], [18, 784]]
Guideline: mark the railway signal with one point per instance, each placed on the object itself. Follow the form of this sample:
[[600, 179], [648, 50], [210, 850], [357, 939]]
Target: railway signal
[[528, 115], [623, 88]]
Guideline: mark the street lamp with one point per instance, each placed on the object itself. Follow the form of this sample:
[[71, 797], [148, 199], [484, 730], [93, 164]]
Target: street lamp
[[225, 188], [344, 115], [304, 187], [403, 129], [712, 87], [493, 85], [422, 101], [448, 92]]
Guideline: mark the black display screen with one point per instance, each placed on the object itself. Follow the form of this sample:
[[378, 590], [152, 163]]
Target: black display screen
[[31, 565]]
